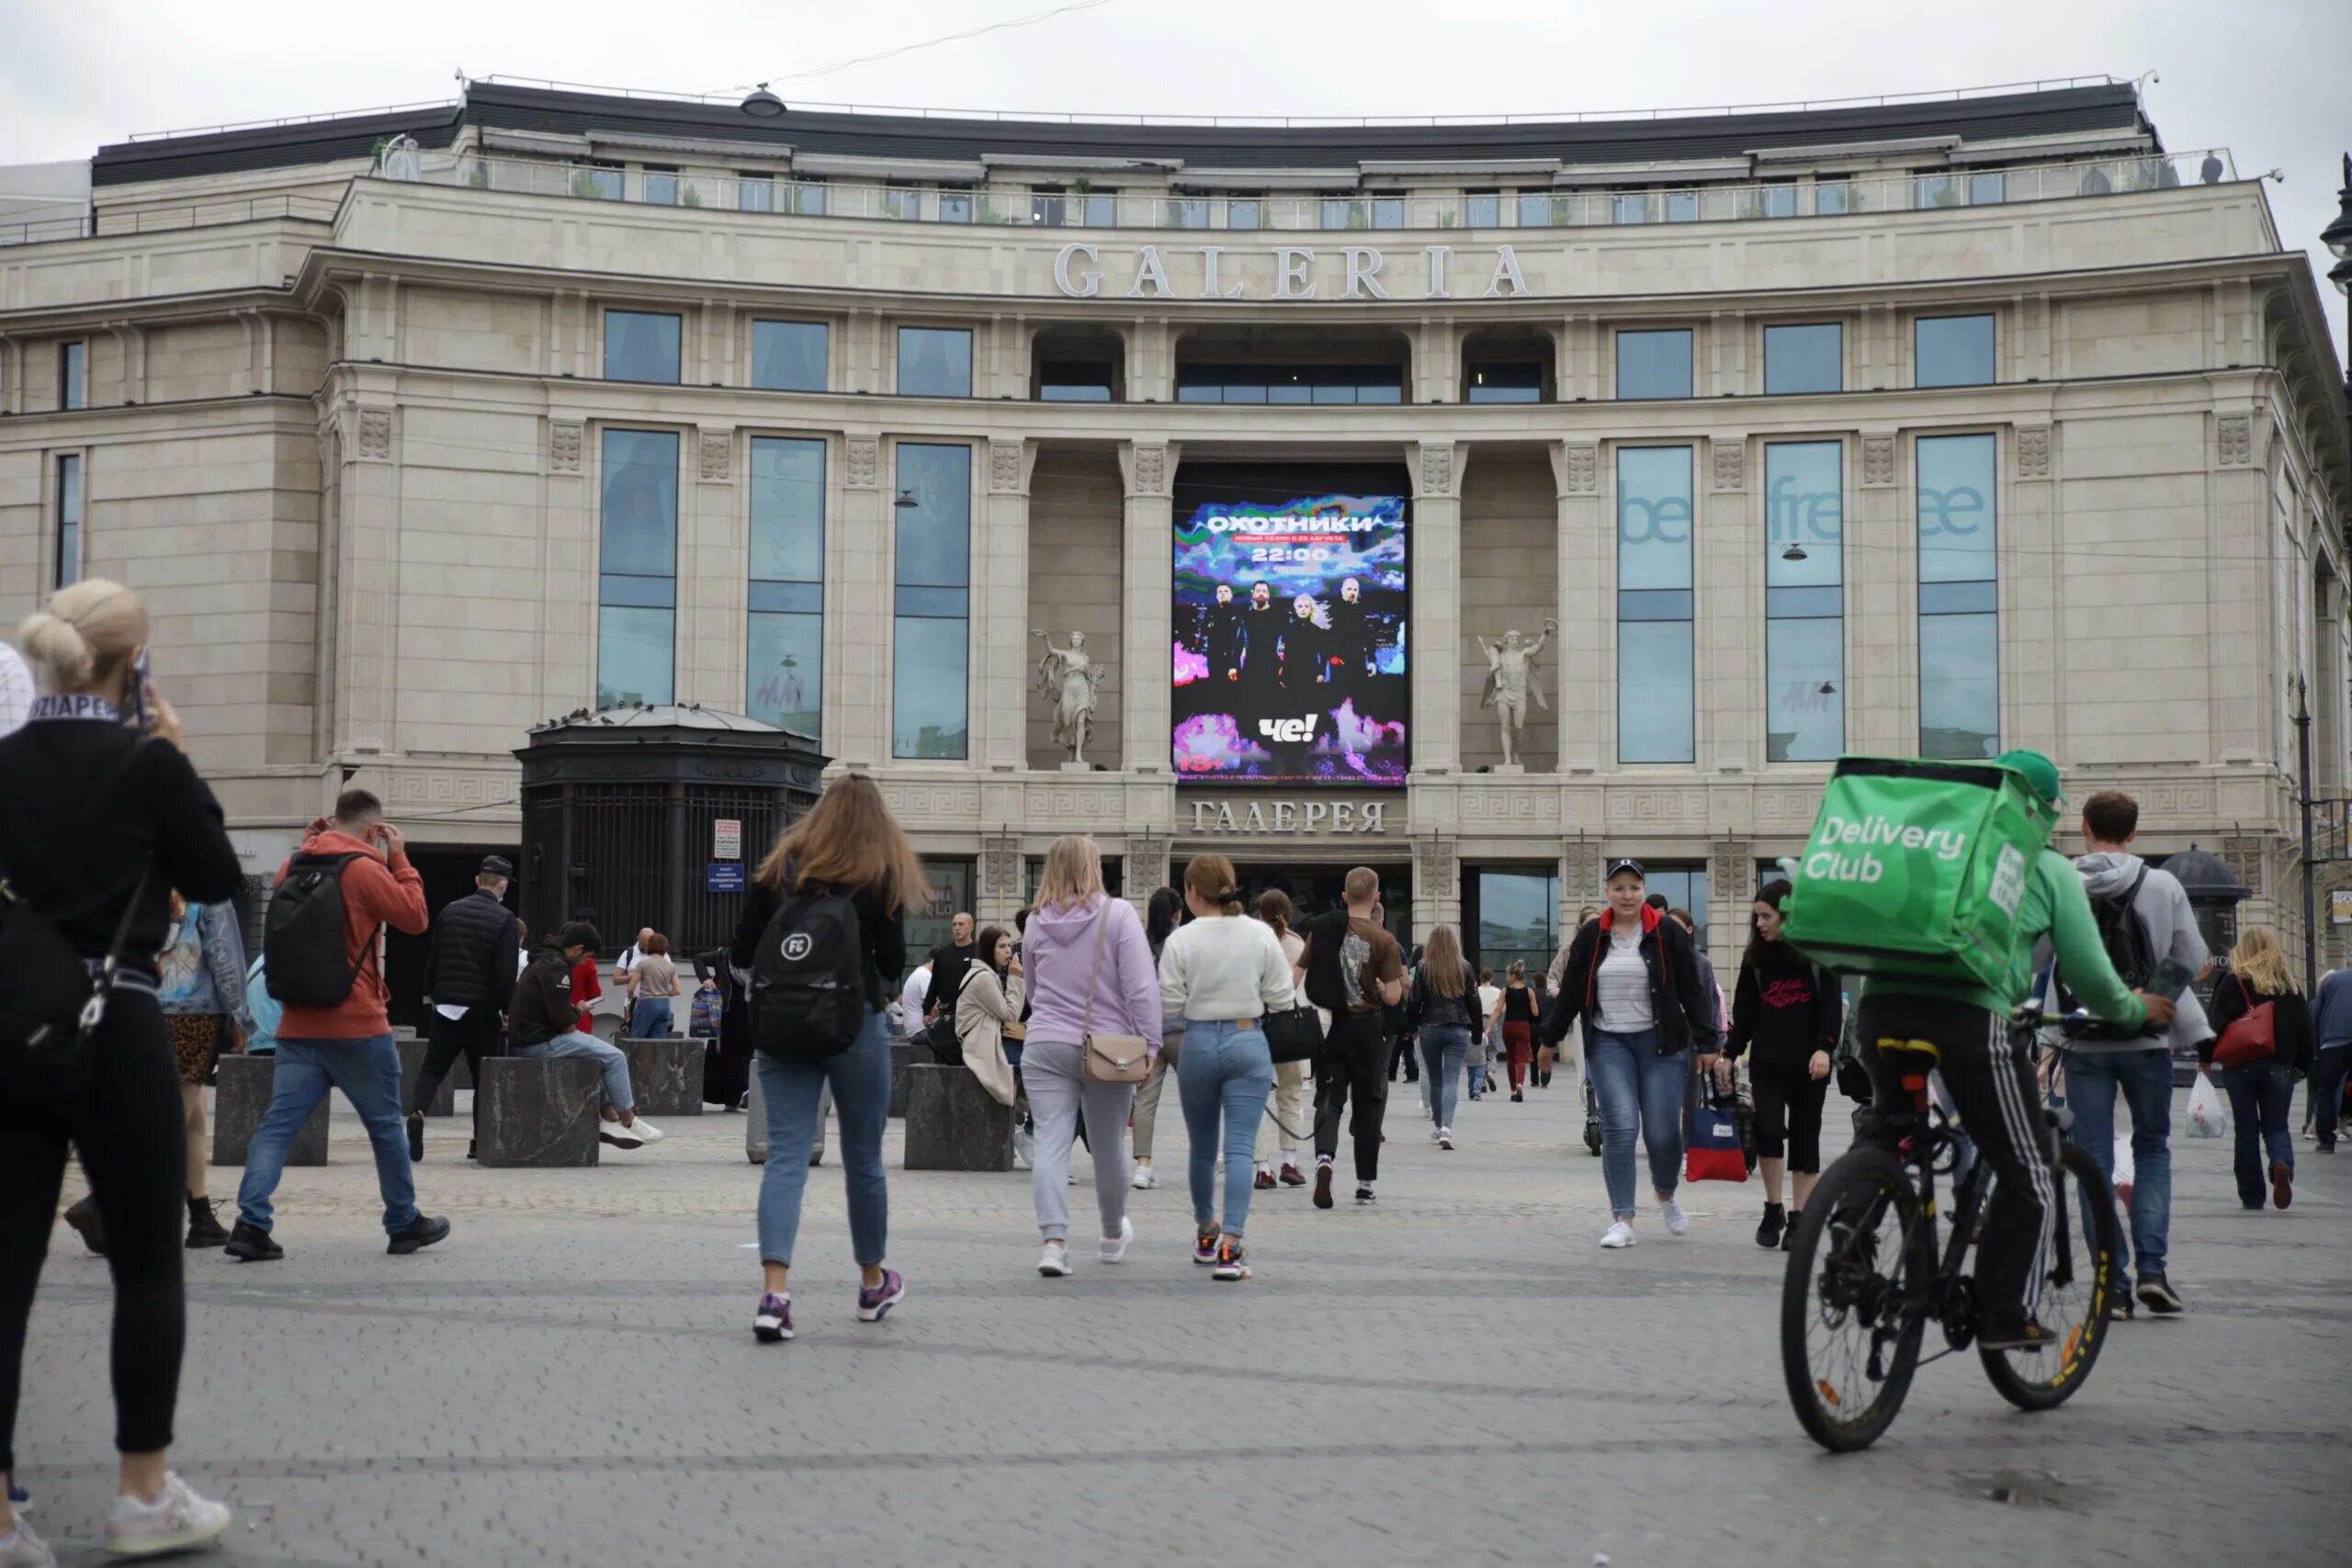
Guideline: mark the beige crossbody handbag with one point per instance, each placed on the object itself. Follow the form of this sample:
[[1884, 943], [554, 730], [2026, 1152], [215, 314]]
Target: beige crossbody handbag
[[1109, 1058]]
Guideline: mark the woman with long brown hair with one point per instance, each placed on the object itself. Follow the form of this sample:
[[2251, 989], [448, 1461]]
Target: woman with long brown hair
[[1444, 1005], [850, 845], [2261, 1089], [1517, 1012]]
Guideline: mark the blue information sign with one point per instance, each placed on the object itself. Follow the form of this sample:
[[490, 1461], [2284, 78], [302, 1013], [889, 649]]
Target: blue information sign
[[726, 876]]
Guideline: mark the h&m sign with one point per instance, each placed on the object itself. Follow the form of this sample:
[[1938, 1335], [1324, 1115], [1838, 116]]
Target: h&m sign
[[1353, 271], [1339, 815]]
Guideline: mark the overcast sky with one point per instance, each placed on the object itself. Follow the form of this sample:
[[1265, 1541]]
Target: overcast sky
[[2271, 81]]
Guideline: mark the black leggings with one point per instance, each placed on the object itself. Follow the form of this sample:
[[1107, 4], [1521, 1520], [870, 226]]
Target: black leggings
[[1788, 1114], [118, 1102]]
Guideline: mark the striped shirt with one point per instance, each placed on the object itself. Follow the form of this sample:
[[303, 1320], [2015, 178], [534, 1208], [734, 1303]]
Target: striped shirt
[[1622, 988]]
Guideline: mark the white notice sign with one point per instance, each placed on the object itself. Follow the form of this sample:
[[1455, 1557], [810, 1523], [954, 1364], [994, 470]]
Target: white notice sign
[[726, 838]]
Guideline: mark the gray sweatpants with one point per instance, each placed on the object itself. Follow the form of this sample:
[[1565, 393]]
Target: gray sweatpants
[[1049, 1071]]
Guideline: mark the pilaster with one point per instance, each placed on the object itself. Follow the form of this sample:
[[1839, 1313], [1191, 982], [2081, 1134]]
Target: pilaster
[[1148, 472], [1001, 661], [1587, 682], [714, 564], [857, 620], [1434, 555]]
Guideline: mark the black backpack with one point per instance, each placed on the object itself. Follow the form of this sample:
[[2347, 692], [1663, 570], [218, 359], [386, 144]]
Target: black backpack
[[306, 957], [809, 978], [2125, 937], [1325, 987]]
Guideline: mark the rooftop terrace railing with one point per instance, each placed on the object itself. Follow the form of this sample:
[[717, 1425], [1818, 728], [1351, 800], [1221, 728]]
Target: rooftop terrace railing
[[164, 220]]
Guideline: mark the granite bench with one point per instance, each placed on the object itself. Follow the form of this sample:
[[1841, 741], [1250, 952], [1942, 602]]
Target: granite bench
[[246, 1084], [953, 1123], [539, 1113], [664, 1074]]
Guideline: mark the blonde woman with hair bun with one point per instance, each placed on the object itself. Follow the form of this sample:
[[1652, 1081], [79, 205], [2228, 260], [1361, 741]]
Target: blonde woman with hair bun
[[97, 823]]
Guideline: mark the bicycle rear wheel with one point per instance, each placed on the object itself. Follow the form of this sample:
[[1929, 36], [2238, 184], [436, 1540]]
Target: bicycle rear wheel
[[2087, 1235], [1852, 1313]]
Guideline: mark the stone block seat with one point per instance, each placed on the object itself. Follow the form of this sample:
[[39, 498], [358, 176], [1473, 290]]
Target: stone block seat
[[411, 1052], [246, 1084], [539, 1113], [904, 1054], [953, 1123], [665, 1075]]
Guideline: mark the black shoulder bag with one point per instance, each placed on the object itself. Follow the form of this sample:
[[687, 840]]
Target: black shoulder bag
[[48, 1000]]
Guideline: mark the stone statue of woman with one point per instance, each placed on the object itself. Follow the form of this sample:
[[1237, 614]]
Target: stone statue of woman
[[1070, 679]]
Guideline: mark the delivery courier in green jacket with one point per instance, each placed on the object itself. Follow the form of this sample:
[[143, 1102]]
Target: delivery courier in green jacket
[[1985, 894]]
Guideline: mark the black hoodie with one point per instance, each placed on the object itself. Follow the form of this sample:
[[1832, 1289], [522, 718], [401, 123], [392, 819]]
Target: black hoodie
[[1786, 1006], [541, 1007]]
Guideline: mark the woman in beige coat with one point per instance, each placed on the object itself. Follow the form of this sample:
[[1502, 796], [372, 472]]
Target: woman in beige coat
[[988, 1004]]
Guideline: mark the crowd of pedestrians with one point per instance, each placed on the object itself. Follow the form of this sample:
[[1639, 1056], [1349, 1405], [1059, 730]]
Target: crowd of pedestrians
[[1080, 1012]]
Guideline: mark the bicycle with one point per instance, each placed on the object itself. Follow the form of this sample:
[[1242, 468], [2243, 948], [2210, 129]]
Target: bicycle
[[1854, 1311]]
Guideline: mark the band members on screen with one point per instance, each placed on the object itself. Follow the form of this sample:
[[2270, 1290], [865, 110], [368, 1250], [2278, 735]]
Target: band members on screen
[[1261, 643], [1226, 638], [1348, 646]]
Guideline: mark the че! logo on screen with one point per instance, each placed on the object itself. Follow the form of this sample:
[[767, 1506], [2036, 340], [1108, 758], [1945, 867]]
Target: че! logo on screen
[[1288, 730]]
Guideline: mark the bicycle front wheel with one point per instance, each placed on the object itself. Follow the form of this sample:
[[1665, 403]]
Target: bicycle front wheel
[[2077, 1291], [1852, 1305]]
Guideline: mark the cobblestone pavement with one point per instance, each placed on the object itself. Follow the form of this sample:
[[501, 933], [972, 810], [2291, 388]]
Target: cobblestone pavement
[[1457, 1376]]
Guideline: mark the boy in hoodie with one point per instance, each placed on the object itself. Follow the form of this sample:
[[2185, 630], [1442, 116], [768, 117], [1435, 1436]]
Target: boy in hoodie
[[348, 1046], [542, 1021], [2138, 1065]]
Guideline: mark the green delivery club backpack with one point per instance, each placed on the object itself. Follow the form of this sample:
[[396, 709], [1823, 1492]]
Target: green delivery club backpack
[[1916, 868]]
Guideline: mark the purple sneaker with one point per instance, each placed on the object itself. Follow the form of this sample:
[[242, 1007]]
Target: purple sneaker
[[772, 1322], [871, 1304]]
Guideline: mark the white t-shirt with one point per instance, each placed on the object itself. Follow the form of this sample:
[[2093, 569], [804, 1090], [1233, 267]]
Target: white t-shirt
[[910, 999], [1623, 986], [1488, 997]]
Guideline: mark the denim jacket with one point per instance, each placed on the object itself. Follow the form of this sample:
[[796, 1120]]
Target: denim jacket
[[218, 983]]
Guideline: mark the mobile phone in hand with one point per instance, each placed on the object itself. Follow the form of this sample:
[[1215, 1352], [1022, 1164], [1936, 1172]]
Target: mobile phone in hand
[[137, 712], [2171, 978]]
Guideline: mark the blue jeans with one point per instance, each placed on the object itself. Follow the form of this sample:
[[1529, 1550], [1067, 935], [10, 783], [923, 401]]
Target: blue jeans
[[1442, 1047], [860, 1078], [2260, 1093], [1224, 1069], [369, 1073], [1639, 1090], [2146, 1078], [651, 1018], [2327, 1089], [608, 1059]]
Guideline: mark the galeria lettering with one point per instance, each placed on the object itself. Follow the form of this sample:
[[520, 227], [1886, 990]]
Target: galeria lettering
[[1828, 865]]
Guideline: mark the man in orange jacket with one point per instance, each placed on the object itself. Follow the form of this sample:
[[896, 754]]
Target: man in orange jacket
[[346, 1042]]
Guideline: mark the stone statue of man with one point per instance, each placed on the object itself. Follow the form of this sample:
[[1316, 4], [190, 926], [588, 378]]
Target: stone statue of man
[[1511, 681], [1070, 678]]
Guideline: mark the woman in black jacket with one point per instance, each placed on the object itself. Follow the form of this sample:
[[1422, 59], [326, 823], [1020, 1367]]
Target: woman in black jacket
[[2261, 1090], [1788, 1008], [96, 822], [849, 843], [1632, 978]]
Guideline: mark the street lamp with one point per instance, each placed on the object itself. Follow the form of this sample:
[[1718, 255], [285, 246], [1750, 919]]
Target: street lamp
[[763, 104], [2337, 238]]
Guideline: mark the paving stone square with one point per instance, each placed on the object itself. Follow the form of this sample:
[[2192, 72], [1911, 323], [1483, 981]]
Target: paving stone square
[[1459, 1375]]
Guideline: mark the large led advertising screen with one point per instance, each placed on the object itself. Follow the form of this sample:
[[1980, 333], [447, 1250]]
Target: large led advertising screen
[[1291, 627]]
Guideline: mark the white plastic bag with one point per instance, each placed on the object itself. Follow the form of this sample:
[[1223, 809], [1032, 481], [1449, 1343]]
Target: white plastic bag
[[2123, 1167], [2207, 1116]]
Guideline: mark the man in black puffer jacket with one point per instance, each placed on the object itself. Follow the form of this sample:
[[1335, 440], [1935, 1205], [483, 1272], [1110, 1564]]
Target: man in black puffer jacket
[[469, 978]]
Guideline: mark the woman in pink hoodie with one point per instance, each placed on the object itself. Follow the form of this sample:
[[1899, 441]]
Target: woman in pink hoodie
[[1090, 971]]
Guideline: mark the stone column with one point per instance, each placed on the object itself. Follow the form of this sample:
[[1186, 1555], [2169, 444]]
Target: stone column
[[1437, 884], [1001, 644], [1584, 673], [1434, 560], [568, 573], [1728, 643], [857, 606], [2033, 672], [1881, 604], [368, 571], [1146, 628], [713, 566]]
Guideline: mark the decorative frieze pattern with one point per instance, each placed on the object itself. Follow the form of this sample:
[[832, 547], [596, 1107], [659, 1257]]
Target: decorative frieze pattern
[[564, 440], [1731, 465], [1437, 868], [417, 786], [2236, 434], [1004, 466], [376, 434], [1437, 471], [1152, 470], [1000, 870], [1878, 459], [863, 456], [718, 454], [1584, 468], [2033, 451], [1734, 869]]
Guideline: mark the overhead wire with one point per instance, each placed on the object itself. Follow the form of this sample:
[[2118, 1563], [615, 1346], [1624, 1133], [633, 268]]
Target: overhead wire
[[1007, 24]]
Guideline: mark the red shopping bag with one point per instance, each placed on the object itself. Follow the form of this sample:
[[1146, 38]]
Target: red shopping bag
[[1712, 1145]]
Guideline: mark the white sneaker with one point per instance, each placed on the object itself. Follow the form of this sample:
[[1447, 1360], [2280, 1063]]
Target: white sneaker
[[1025, 1149], [22, 1549], [1619, 1234], [621, 1137], [1116, 1251], [176, 1520], [1054, 1263], [1144, 1181], [1676, 1222], [1437, 1133], [647, 1132], [1445, 1137]]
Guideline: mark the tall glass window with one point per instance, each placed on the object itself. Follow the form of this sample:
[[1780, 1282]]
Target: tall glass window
[[1805, 625], [1654, 365], [935, 362], [640, 347], [73, 375], [931, 637], [948, 885], [785, 680], [1952, 351], [1805, 359], [1655, 712], [69, 520], [637, 565], [788, 357], [1960, 635], [1517, 920]]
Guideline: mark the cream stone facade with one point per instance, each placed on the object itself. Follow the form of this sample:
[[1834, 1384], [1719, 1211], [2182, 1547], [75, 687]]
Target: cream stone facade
[[348, 432]]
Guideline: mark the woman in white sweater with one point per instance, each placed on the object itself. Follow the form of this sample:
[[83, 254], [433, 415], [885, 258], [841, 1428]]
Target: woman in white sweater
[[1222, 974]]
